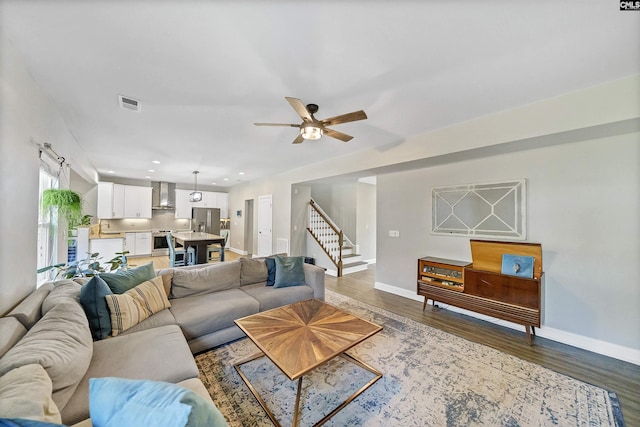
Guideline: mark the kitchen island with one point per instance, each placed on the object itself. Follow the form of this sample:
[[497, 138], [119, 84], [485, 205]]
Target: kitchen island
[[200, 241]]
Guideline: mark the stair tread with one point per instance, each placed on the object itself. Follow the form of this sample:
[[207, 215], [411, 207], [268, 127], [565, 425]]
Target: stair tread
[[350, 256], [353, 264]]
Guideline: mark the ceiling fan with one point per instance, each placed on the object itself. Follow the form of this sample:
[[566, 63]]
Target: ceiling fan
[[312, 128]]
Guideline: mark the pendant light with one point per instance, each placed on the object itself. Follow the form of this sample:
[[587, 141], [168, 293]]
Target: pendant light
[[195, 196]]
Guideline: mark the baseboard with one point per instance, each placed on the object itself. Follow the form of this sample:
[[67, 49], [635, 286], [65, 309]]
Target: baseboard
[[604, 348], [370, 261], [237, 251]]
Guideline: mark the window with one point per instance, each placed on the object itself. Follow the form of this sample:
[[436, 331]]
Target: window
[[46, 228], [489, 210]]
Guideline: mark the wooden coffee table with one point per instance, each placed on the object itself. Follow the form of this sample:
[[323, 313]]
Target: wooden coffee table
[[299, 337]]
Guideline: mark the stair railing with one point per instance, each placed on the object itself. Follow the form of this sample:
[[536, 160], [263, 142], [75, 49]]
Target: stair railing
[[327, 234]]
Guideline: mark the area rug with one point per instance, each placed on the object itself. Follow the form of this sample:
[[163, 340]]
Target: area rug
[[431, 378]]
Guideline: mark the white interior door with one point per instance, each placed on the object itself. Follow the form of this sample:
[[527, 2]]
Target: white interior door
[[265, 239]]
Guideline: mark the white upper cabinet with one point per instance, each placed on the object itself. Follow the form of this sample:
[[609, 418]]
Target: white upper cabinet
[[137, 202], [123, 201], [183, 205], [110, 200], [210, 199]]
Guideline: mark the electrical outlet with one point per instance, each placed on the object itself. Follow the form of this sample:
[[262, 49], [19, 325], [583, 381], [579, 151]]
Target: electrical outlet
[[394, 233]]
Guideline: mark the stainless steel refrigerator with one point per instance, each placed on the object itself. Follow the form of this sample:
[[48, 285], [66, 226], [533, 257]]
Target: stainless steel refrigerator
[[206, 220]]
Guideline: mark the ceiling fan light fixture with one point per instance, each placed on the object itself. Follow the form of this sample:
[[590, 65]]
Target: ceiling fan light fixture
[[311, 132]]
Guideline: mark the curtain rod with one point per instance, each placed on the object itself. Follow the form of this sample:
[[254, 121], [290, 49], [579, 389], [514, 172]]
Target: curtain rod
[[47, 149]]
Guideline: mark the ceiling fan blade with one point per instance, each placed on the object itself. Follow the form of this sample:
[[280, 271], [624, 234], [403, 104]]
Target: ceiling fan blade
[[277, 124], [300, 108], [337, 135], [345, 118], [298, 139]]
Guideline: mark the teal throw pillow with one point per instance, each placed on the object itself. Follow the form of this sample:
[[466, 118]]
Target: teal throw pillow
[[271, 270], [123, 280], [289, 271], [116, 402], [92, 298]]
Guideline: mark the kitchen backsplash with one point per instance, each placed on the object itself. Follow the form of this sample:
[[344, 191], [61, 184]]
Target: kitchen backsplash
[[161, 220]]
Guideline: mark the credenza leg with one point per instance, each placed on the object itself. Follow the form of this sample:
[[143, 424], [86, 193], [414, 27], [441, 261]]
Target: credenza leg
[[424, 304], [528, 329]]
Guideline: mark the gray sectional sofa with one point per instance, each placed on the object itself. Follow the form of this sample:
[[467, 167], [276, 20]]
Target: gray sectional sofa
[[49, 328]]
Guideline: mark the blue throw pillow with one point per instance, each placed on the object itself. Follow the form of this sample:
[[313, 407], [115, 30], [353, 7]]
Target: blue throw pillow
[[116, 402], [289, 271], [20, 422], [271, 270], [123, 280], [92, 298]]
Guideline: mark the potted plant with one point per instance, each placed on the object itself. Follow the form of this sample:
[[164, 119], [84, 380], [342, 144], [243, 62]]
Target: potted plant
[[67, 202], [88, 267]]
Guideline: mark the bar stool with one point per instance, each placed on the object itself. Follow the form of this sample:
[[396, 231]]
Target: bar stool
[[191, 256], [177, 256], [216, 247]]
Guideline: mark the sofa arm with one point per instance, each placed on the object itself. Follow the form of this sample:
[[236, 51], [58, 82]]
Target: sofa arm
[[314, 277]]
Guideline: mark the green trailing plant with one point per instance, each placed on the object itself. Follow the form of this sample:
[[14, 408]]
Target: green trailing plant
[[88, 267], [68, 203]]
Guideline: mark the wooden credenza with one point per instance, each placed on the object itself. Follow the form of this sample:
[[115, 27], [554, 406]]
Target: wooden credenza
[[481, 287]]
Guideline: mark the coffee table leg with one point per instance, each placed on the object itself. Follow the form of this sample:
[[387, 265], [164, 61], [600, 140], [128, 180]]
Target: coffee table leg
[[253, 390], [350, 399]]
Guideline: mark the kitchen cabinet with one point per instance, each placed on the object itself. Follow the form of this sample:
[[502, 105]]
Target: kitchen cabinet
[[110, 200], [138, 244], [106, 248], [210, 199], [137, 202], [123, 201]]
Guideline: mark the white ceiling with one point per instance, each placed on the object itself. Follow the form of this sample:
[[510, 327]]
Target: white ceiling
[[204, 71]]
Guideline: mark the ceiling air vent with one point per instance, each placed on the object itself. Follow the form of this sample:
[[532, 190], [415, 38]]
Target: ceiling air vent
[[128, 103]]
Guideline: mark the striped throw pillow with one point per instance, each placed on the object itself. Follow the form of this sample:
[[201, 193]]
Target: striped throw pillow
[[135, 305]]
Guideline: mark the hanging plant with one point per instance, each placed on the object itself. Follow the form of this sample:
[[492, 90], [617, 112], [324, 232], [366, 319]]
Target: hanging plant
[[68, 203]]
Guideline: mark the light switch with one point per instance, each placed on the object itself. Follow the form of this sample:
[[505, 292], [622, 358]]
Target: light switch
[[394, 233]]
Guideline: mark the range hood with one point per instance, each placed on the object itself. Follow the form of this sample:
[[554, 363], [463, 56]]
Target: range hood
[[163, 195]]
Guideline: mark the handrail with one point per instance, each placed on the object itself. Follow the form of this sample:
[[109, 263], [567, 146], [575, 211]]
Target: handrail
[[339, 233], [326, 218]]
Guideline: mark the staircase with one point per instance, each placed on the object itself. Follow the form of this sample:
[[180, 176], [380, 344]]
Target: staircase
[[332, 240]]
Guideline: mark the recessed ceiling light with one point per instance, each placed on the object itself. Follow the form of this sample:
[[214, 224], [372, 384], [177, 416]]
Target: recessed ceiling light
[[240, 173], [226, 179], [156, 162], [148, 177], [151, 170], [213, 183], [111, 172]]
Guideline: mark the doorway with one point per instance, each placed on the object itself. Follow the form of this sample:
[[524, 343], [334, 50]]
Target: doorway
[[248, 226], [265, 219]]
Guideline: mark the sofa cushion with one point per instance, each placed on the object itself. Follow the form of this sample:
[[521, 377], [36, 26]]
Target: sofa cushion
[[289, 271], [61, 343], [25, 392], [202, 314], [63, 291], [29, 311], [270, 297], [252, 270], [159, 354], [167, 276], [116, 402], [271, 270], [135, 305], [208, 278], [94, 303], [123, 280], [161, 318], [11, 331]]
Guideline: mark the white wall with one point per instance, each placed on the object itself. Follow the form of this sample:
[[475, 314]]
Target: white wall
[[367, 220], [27, 117], [563, 122], [583, 208]]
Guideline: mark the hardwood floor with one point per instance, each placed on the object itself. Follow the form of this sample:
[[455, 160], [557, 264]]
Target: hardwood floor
[[611, 374]]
